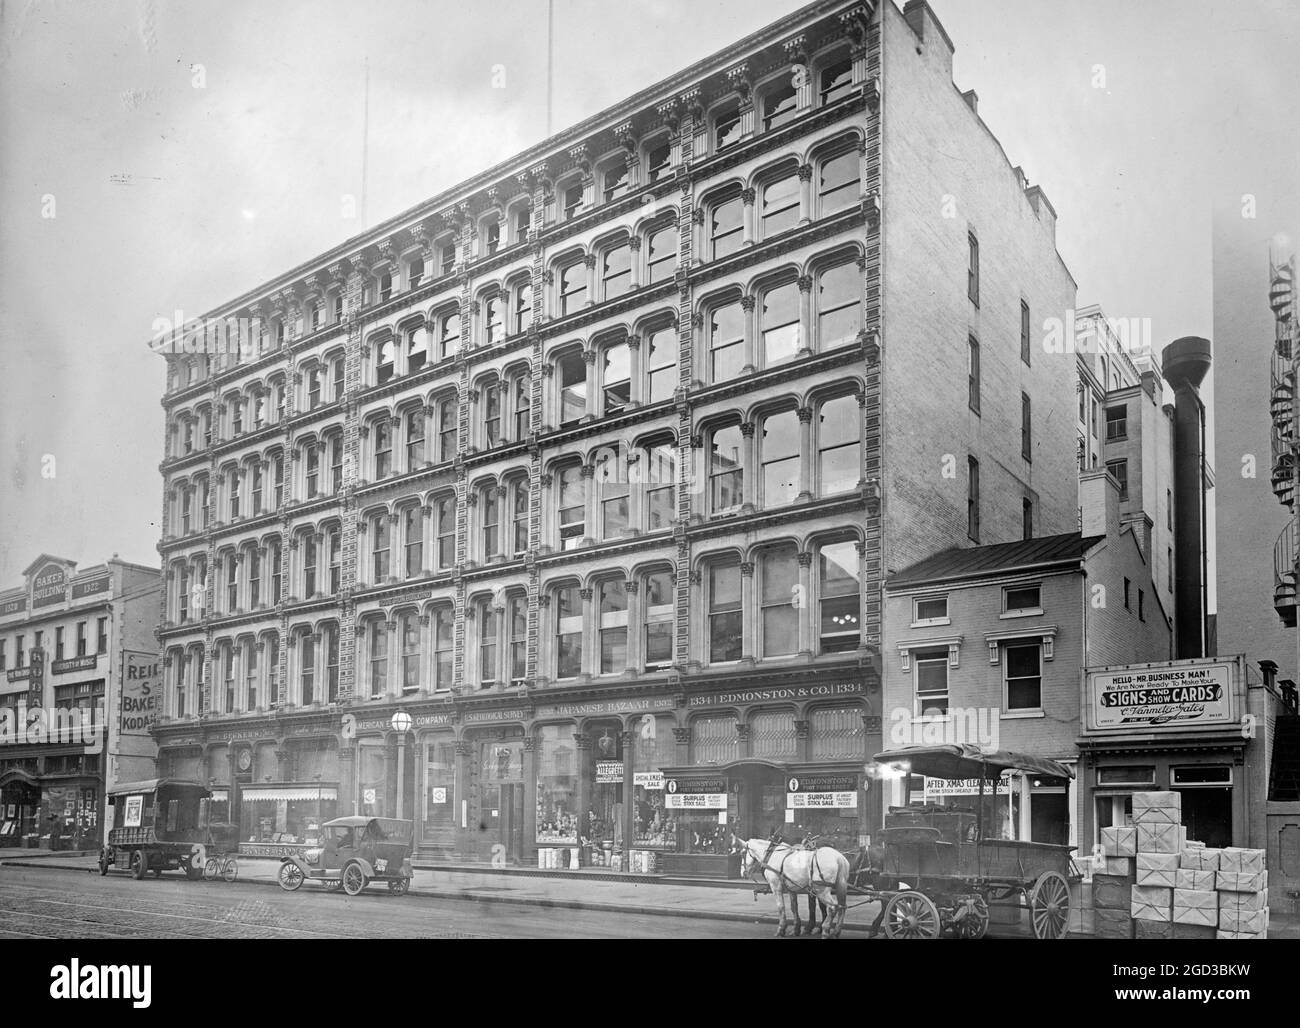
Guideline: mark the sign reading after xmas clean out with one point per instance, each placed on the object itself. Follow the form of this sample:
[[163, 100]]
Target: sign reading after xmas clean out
[[1164, 697]]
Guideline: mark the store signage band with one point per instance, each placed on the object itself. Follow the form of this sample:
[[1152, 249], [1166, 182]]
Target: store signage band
[[494, 715], [696, 801], [792, 692], [95, 585], [16, 606], [75, 664], [1169, 698], [49, 586]]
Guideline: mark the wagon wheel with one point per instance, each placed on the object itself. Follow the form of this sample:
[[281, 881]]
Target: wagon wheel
[[290, 876], [1049, 906], [974, 921], [139, 864], [230, 870], [911, 915], [354, 879], [211, 869], [399, 886]]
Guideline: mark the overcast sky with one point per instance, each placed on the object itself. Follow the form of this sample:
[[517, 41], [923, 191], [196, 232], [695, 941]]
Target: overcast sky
[[192, 151]]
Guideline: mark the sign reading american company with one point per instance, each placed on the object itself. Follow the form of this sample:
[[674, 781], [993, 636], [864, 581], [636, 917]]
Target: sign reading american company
[[418, 721], [788, 692], [1169, 697], [49, 585]]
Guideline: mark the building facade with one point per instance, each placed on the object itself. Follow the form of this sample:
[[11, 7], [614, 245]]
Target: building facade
[[78, 678], [593, 465]]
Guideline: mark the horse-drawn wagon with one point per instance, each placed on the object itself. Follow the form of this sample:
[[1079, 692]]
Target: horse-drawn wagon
[[942, 869]]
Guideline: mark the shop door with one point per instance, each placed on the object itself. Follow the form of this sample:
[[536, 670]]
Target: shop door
[[1207, 816], [511, 828]]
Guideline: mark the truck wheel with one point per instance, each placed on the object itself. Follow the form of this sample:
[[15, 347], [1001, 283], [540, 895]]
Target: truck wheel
[[139, 864]]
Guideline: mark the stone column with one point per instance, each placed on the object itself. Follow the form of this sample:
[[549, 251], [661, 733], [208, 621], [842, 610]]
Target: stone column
[[636, 370], [589, 261], [749, 465], [393, 686], [747, 197], [805, 316], [749, 613], [590, 664], [634, 261], [428, 542], [589, 358], [805, 194], [750, 347], [806, 610], [590, 500], [805, 455], [582, 756], [528, 849], [635, 636]]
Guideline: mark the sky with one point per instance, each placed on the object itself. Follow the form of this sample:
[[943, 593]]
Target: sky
[[165, 156]]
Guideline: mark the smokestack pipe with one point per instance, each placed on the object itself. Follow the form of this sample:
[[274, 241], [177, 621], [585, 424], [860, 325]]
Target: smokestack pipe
[[1186, 362]]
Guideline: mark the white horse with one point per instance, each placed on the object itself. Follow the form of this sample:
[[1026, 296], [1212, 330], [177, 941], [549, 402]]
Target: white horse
[[792, 871]]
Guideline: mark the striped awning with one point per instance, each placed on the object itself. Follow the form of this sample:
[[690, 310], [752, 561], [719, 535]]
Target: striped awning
[[266, 793]]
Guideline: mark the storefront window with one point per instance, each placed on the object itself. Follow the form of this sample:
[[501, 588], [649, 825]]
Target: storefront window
[[714, 740], [837, 733], [604, 822], [557, 785], [440, 782], [653, 748], [772, 736], [372, 778]]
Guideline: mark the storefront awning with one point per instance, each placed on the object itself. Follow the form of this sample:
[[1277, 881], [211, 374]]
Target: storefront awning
[[291, 793]]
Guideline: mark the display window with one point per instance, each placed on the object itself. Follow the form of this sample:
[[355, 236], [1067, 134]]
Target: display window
[[653, 748], [440, 782], [372, 778], [557, 785], [604, 759]]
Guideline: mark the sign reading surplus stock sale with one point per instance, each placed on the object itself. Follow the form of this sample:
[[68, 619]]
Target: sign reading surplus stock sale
[[1161, 698]]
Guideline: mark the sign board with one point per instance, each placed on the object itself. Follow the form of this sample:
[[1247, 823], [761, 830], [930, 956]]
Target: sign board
[[49, 585], [89, 588], [141, 692], [15, 606], [368, 796], [696, 801], [769, 695], [653, 780], [86, 663], [938, 788], [838, 800], [134, 810], [1162, 698], [438, 794], [609, 772], [36, 683]]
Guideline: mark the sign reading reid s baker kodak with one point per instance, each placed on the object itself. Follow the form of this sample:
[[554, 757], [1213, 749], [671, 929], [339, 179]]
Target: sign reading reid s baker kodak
[[1162, 697]]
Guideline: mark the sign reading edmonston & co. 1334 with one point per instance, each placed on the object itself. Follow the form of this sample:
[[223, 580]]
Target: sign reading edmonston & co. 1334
[[1171, 697]]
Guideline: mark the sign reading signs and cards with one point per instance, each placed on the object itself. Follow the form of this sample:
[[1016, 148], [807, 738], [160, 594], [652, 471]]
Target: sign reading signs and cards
[[1167, 697]]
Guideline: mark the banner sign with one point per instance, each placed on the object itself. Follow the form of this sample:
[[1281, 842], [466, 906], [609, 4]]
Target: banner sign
[[653, 780], [141, 692], [85, 663], [696, 801], [1170, 697], [822, 799], [938, 788]]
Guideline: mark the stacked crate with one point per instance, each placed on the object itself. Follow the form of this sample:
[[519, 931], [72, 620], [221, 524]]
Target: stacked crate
[[1196, 903], [1112, 884], [1242, 886], [1160, 835]]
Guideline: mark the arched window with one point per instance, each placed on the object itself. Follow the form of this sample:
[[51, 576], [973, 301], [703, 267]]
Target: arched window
[[780, 324], [336, 462], [778, 577], [779, 105], [448, 334], [838, 182], [488, 639], [491, 236], [616, 378], [255, 472], [615, 181], [444, 512], [779, 457], [780, 204], [571, 199], [839, 304], [490, 506], [311, 465], [417, 348], [726, 226], [522, 299], [310, 564], [385, 362], [383, 448], [413, 533], [726, 126], [315, 379], [334, 556], [572, 500], [838, 444], [726, 342], [835, 79], [234, 480], [660, 478], [659, 620], [661, 253], [573, 287], [494, 319], [414, 271], [229, 706], [658, 159], [447, 429], [838, 597], [273, 559], [615, 491], [254, 576], [408, 627], [522, 389], [572, 374], [516, 626], [726, 469], [616, 271], [385, 286], [331, 663], [490, 397], [519, 494], [378, 658], [723, 602], [444, 625], [661, 363], [568, 632], [613, 627], [380, 546], [250, 674]]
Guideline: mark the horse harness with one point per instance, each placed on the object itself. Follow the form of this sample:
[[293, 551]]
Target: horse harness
[[779, 871]]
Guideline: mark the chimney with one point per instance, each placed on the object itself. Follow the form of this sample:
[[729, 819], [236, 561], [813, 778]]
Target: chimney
[[972, 100], [1043, 208], [928, 29], [1098, 503], [1268, 668]]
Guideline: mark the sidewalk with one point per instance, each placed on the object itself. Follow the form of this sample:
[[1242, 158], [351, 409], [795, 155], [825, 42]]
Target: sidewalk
[[587, 890]]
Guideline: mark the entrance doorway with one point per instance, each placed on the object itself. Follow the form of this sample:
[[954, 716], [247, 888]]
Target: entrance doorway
[[1207, 815], [499, 809], [760, 801]]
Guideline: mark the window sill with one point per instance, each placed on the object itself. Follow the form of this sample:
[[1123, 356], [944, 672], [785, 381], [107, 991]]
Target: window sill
[[1008, 615], [931, 623], [1018, 715]]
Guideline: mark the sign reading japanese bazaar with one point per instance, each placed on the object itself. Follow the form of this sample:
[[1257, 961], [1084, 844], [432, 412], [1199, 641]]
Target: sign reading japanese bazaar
[[1171, 697]]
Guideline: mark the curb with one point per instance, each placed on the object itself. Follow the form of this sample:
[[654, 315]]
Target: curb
[[427, 893]]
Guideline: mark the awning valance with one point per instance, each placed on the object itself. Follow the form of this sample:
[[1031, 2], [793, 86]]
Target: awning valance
[[263, 793]]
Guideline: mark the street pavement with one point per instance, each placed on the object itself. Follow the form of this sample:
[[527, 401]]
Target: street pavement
[[522, 900]]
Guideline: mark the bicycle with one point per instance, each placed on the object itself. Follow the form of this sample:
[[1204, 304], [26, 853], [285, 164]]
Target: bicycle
[[222, 865]]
